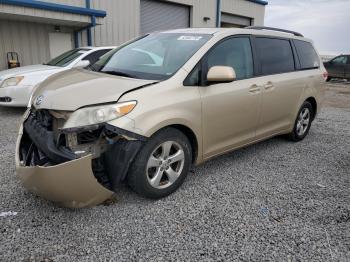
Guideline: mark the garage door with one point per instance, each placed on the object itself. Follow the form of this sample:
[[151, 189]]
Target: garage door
[[157, 15], [228, 20]]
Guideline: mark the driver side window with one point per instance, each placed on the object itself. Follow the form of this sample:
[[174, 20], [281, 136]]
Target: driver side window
[[341, 60], [236, 53]]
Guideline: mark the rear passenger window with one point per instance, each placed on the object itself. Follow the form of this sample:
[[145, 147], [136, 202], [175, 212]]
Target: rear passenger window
[[236, 53], [307, 55], [276, 55]]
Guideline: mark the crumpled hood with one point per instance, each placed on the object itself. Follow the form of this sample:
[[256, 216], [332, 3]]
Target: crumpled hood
[[25, 70], [75, 88]]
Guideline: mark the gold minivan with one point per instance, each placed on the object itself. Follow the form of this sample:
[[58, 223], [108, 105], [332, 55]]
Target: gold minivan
[[148, 110]]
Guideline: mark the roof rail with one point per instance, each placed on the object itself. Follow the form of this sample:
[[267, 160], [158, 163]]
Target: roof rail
[[274, 29]]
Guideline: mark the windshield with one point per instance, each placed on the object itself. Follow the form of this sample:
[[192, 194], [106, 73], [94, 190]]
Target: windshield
[[67, 57], [153, 57]]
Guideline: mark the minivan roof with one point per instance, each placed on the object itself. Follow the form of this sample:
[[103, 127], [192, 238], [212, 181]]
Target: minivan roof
[[234, 31]]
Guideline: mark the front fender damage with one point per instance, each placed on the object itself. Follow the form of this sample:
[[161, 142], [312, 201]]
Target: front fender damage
[[77, 167]]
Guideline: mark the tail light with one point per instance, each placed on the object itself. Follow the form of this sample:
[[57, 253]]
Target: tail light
[[325, 75]]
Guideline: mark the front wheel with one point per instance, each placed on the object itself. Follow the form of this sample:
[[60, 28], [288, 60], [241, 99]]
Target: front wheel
[[162, 164], [302, 123]]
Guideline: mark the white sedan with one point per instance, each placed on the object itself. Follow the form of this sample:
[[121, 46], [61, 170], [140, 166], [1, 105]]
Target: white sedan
[[17, 85]]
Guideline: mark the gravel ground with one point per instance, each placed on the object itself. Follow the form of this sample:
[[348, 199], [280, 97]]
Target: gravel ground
[[276, 201]]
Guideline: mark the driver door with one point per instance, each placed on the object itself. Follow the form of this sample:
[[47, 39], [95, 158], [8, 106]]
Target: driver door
[[336, 67], [229, 110], [347, 68]]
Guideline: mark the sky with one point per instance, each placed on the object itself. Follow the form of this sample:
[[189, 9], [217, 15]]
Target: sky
[[327, 22]]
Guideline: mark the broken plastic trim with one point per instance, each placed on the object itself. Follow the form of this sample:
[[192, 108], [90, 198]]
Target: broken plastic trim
[[124, 132], [118, 159], [80, 129], [38, 126], [108, 127], [40, 148], [44, 140]]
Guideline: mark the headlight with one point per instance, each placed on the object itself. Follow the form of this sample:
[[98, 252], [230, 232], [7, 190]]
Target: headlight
[[12, 81], [99, 114]]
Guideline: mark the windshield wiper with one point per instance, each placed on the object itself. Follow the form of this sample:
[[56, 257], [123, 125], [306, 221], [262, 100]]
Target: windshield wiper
[[118, 73]]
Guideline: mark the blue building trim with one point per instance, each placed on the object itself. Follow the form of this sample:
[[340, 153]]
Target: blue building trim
[[93, 23], [55, 7], [260, 2], [218, 13], [76, 39]]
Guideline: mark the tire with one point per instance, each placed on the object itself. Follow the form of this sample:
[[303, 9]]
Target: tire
[[155, 173], [302, 123]]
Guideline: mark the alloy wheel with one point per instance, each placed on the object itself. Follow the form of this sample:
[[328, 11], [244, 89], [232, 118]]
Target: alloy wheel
[[165, 164], [303, 121]]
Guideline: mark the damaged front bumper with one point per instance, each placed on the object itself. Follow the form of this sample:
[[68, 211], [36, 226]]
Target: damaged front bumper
[[73, 170]]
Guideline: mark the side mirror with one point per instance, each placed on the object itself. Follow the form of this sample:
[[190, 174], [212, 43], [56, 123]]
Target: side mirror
[[221, 74], [82, 64]]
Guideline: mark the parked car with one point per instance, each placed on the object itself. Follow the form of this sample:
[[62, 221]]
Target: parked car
[[157, 105], [338, 67], [16, 85]]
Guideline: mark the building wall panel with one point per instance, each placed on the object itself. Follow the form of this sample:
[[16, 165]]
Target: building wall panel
[[29, 40], [245, 8], [123, 17], [121, 24], [42, 14]]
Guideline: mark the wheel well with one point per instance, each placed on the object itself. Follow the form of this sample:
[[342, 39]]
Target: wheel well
[[313, 102], [191, 137]]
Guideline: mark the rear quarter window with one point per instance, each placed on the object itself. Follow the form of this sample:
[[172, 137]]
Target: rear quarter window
[[275, 55], [307, 55]]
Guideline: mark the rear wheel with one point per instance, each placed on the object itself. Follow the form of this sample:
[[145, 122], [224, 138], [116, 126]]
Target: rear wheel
[[162, 164], [302, 123]]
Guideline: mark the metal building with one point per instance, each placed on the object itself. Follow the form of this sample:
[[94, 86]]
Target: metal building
[[40, 30]]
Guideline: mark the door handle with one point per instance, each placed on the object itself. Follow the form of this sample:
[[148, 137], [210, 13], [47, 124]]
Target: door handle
[[254, 89], [268, 85]]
